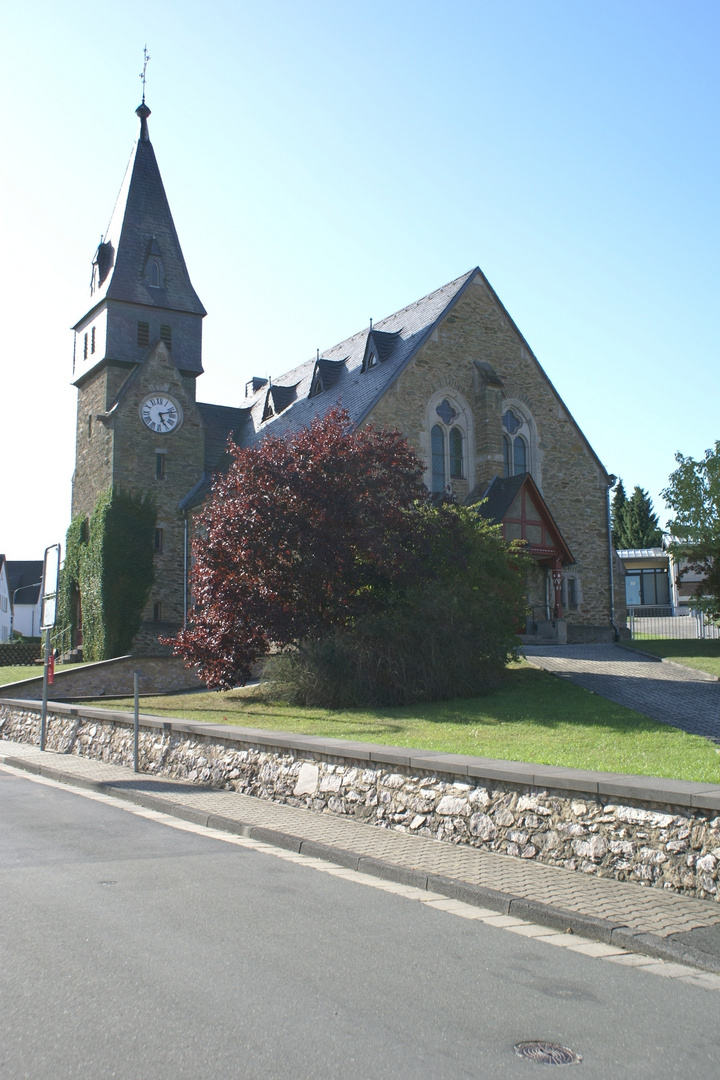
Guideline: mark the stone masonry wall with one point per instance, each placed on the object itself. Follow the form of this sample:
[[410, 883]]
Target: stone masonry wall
[[94, 446], [111, 678], [569, 476], [664, 845]]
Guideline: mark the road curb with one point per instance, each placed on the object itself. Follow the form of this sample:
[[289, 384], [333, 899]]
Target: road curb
[[556, 918]]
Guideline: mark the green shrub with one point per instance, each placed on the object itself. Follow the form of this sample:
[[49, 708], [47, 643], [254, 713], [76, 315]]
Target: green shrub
[[448, 638]]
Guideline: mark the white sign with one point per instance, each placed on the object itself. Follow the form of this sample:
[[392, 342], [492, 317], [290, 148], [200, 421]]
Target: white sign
[[51, 578]]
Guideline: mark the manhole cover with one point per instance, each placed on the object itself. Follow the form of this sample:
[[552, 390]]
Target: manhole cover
[[547, 1053]]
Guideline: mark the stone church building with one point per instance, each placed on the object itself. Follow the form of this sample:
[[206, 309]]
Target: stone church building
[[451, 371]]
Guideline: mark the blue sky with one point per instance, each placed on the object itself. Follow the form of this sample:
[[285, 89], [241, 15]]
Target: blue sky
[[331, 162]]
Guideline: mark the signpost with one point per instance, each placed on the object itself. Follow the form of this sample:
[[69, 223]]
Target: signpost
[[50, 582]]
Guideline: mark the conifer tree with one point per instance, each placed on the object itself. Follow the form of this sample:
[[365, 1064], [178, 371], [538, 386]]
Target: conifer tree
[[619, 502], [641, 525], [634, 522]]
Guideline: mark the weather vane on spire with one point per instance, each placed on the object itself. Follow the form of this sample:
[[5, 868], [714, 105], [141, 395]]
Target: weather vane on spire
[[143, 76]]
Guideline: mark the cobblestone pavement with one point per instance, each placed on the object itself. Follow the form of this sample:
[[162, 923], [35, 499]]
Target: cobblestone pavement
[[670, 693], [559, 895]]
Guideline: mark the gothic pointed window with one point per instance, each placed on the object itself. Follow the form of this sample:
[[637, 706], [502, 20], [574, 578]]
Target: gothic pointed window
[[154, 275], [516, 443], [448, 445], [455, 442], [437, 439], [519, 455]]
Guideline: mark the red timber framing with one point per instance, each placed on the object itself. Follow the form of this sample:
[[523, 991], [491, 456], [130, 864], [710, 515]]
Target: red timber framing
[[517, 505]]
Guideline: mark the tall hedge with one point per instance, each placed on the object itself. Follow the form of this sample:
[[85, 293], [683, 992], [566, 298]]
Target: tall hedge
[[109, 565]]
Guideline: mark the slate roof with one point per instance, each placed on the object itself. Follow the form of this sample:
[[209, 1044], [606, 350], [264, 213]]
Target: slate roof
[[221, 421], [25, 575], [142, 224], [498, 496], [397, 338]]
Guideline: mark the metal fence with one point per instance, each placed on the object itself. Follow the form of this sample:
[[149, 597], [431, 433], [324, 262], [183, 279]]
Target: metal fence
[[657, 622]]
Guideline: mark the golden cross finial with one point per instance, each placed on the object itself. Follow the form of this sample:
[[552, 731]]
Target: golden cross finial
[[146, 57]]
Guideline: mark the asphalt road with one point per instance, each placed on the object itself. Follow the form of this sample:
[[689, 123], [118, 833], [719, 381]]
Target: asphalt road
[[133, 949]]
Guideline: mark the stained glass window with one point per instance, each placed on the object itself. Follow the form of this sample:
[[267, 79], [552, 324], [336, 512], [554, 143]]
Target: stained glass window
[[519, 456], [438, 458], [511, 422], [456, 452], [445, 411], [507, 455]]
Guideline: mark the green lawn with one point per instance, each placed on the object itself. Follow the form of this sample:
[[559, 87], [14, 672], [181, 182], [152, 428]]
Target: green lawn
[[700, 654], [32, 671], [534, 717]]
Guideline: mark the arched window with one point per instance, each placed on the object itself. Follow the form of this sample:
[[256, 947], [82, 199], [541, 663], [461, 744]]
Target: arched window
[[516, 441], [437, 440], [449, 423], [154, 275], [456, 452]]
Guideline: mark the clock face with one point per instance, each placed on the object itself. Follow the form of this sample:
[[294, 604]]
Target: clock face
[[160, 413]]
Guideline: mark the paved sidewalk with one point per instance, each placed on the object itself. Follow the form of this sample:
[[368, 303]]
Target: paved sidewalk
[[644, 920], [668, 692]]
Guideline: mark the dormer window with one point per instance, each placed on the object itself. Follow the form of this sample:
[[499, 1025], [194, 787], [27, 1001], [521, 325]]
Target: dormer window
[[154, 270], [278, 399], [379, 347], [326, 374]]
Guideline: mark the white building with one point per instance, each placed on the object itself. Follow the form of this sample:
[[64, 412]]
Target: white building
[[657, 582], [25, 588]]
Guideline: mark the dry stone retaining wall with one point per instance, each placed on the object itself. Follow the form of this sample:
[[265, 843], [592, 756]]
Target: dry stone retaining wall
[[670, 845]]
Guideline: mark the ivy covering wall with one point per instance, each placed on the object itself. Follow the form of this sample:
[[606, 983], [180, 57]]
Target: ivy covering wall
[[109, 568]]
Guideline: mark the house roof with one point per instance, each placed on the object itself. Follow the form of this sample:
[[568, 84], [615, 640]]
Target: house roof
[[142, 225], [396, 338], [341, 376], [25, 575], [221, 421], [498, 497], [496, 502], [643, 553]]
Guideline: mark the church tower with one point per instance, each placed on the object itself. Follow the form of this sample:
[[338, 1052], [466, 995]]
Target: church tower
[[137, 354]]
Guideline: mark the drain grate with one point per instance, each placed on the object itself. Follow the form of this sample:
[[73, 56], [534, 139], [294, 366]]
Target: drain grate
[[108, 883], [547, 1053]]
